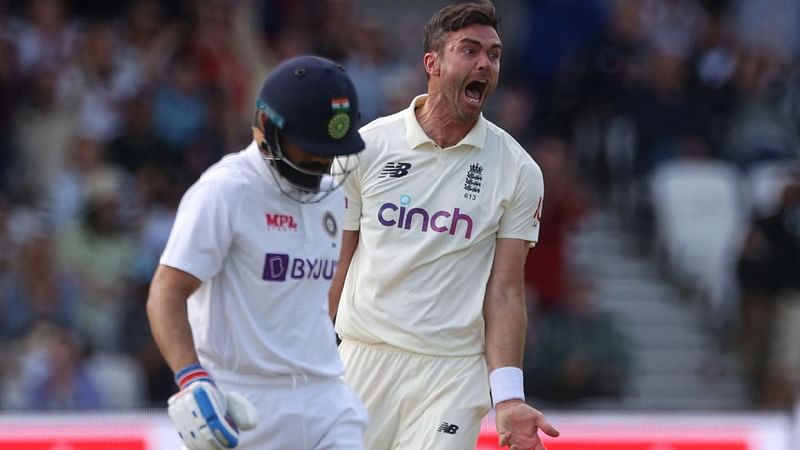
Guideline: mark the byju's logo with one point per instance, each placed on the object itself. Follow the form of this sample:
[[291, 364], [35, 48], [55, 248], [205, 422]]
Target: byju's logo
[[279, 266], [395, 170], [281, 222], [392, 215]]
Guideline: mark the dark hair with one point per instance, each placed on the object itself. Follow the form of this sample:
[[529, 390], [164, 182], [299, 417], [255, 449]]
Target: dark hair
[[456, 17]]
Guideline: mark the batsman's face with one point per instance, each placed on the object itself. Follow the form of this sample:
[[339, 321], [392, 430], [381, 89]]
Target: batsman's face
[[306, 161], [468, 68]]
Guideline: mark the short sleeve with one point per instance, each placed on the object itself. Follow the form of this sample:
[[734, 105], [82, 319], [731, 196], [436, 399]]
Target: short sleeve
[[521, 218], [204, 228], [352, 200]]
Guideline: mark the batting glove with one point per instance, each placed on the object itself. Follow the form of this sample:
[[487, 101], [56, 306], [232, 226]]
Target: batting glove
[[207, 418]]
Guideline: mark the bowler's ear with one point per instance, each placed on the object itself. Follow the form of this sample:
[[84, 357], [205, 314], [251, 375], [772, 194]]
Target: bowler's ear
[[431, 62]]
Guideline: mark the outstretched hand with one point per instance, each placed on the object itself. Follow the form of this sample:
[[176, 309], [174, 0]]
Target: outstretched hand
[[518, 424]]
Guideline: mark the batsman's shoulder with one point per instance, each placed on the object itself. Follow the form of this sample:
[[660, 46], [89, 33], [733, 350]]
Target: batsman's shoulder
[[221, 180]]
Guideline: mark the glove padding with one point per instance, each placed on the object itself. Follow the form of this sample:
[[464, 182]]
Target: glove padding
[[207, 419]]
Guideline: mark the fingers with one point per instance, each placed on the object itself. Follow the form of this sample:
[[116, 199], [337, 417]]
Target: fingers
[[505, 438], [242, 411], [548, 429]]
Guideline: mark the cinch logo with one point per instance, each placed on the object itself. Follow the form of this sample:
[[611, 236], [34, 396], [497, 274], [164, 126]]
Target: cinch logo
[[279, 266], [391, 215], [281, 222]]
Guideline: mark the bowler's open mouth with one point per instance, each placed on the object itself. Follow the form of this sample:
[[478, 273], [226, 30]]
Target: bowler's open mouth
[[475, 89]]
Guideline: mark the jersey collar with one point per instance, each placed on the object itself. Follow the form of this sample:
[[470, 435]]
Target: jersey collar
[[417, 138]]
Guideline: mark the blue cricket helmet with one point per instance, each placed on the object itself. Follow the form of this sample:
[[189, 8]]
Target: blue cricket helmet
[[314, 103]]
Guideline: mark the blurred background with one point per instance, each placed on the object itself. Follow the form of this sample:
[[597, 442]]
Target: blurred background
[[667, 277]]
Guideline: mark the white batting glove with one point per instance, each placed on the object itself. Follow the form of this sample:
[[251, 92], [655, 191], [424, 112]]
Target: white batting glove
[[207, 418]]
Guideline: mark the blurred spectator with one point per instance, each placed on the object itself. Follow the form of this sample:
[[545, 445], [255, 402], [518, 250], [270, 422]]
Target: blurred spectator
[[10, 80], [284, 25], [222, 67], [576, 351], [768, 26], [369, 64], [138, 145], [760, 129], [514, 110], [40, 155], [604, 138], [36, 290], [98, 251], [69, 191], [47, 38], [557, 37], [53, 374], [556, 32], [546, 270], [770, 315], [149, 38], [662, 109], [6, 238], [679, 22], [107, 77], [180, 105], [158, 195]]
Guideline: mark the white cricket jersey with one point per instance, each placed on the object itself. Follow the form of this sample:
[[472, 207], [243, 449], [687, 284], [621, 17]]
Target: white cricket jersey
[[265, 262], [428, 220]]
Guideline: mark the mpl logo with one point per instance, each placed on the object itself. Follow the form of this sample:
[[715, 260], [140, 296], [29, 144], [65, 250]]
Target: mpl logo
[[280, 266], [281, 222], [393, 215]]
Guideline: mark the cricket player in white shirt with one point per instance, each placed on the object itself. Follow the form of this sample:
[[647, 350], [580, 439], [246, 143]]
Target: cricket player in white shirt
[[238, 303], [442, 209]]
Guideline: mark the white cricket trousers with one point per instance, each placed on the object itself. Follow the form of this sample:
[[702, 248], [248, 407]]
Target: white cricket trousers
[[417, 402], [299, 412]]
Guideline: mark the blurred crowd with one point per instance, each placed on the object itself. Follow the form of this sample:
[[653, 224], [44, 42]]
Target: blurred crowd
[[110, 110]]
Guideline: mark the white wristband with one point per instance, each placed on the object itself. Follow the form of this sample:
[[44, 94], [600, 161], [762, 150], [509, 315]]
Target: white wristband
[[506, 383]]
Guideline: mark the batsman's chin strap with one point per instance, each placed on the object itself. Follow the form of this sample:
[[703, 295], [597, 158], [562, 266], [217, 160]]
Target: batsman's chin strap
[[270, 157]]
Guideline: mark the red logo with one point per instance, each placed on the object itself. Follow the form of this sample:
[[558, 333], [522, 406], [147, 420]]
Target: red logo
[[537, 215], [281, 222]]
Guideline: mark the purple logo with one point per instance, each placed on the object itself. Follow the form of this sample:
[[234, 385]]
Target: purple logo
[[279, 266], [275, 267], [392, 215]]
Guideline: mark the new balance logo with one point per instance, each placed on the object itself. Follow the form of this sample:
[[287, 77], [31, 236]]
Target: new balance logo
[[395, 170], [447, 428]]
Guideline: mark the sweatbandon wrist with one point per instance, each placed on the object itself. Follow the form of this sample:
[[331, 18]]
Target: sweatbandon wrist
[[190, 374], [506, 383]]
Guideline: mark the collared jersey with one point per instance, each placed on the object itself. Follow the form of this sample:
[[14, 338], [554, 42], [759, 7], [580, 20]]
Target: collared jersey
[[265, 262], [428, 220]]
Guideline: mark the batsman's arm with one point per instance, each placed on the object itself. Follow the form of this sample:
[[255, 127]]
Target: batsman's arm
[[349, 244], [169, 321]]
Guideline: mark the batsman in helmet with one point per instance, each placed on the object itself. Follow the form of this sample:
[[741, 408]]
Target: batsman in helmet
[[238, 304]]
